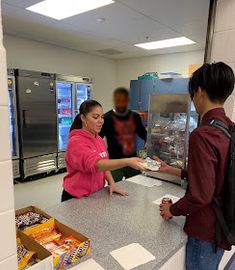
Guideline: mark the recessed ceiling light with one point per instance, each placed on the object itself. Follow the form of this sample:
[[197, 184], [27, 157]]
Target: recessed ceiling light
[[166, 43], [61, 9]]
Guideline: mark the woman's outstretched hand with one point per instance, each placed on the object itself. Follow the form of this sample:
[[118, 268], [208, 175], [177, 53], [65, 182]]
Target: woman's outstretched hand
[[136, 163], [116, 189]]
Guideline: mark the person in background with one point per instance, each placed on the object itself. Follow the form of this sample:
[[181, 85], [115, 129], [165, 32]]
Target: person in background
[[120, 129], [209, 87], [86, 157]]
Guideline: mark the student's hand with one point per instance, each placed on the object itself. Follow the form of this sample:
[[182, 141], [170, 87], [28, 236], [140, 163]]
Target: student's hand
[[164, 167], [116, 189], [136, 163], [165, 212]]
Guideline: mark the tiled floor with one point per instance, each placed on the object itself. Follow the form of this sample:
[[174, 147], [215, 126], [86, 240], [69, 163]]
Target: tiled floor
[[43, 193]]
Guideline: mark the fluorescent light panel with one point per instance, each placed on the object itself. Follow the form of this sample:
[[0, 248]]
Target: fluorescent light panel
[[166, 43], [61, 9]]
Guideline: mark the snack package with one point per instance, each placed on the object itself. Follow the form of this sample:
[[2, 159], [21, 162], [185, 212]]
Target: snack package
[[72, 256], [46, 235], [71, 240], [51, 246], [29, 220], [53, 236], [23, 255], [65, 250], [42, 232], [59, 255], [77, 249], [32, 262], [73, 250]]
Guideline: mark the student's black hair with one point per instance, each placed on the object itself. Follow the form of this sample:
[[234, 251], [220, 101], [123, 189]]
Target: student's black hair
[[216, 79], [121, 91], [84, 109]]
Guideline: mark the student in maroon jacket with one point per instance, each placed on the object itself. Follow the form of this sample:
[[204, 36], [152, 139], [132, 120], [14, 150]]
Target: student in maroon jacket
[[209, 87]]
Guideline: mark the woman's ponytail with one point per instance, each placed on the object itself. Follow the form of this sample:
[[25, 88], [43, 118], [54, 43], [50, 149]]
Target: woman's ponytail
[[77, 123]]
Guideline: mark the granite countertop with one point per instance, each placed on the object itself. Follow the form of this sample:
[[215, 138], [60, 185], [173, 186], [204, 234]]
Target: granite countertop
[[112, 222]]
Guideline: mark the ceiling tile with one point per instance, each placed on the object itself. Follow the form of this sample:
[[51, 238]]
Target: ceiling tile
[[170, 12]]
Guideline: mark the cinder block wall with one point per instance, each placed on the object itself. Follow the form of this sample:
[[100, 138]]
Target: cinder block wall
[[8, 258]]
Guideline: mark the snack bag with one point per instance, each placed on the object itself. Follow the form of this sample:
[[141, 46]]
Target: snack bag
[[77, 250], [29, 219], [54, 236], [23, 255], [58, 255], [46, 235], [32, 262], [51, 246]]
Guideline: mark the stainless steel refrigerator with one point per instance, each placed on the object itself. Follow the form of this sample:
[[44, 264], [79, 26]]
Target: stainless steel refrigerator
[[71, 92], [36, 93], [13, 123]]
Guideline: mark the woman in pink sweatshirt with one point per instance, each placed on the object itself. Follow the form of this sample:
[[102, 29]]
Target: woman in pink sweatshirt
[[86, 158]]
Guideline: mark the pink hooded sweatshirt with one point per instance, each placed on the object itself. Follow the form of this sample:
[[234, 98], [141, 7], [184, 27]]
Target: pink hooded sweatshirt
[[83, 152]]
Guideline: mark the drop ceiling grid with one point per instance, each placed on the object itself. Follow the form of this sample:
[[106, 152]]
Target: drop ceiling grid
[[127, 22]]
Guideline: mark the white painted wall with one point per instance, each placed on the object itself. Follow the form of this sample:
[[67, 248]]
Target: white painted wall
[[28, 54], [130, 69], [8, 258], [223, 43]]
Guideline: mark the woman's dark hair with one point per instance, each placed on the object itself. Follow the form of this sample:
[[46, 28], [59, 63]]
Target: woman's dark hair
[[84, 109], [216, 79]]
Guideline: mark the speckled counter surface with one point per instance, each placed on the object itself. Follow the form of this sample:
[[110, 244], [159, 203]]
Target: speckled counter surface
[[112, 222]]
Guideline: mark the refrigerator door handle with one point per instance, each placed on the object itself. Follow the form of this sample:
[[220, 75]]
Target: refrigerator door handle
[[24, 118]]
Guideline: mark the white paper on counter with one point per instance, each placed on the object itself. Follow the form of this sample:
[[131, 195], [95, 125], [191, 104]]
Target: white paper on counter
[[132, 256], [173, 198], [90, 264], [144, 181]]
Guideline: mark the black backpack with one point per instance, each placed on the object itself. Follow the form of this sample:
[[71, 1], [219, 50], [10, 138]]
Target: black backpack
[[226, 220]]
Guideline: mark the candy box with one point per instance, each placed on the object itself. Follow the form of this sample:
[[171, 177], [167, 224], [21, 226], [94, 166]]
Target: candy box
[[39, 253], [61, 242]]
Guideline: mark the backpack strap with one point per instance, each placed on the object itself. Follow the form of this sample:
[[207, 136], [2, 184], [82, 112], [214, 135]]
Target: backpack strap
[[232, 145], [220, 221], [220, 224], [220, 125], [228, 131], [217, 236]]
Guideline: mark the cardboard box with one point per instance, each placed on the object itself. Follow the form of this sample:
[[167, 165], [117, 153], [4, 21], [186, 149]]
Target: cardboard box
[[44, 255], [66, 231]]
